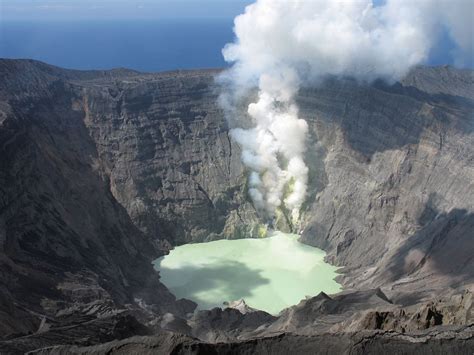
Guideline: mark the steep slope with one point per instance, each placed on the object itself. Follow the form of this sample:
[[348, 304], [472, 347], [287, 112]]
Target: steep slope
[[396, 199], [163, 142], [65, 242]]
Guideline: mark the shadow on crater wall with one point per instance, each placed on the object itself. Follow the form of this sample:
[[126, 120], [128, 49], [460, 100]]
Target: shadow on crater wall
[[444, 246], [383, 117]]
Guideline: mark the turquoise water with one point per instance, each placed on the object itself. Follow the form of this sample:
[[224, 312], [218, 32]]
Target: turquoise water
[[269, 274]]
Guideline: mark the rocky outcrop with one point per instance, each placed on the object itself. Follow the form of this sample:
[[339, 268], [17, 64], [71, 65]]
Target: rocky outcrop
[[452, 311], [350, 311], [452, 341], [355, 318]]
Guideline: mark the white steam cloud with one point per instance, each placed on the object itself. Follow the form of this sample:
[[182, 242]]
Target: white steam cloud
[[281, 45]]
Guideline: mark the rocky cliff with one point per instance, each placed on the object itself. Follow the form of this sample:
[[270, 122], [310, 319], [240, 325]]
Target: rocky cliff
[[102, 171], [393, 180], [65, 241]]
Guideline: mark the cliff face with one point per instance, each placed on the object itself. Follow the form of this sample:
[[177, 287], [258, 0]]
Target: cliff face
[[66, 245], [163, 142], [102, 171], [393, 181]]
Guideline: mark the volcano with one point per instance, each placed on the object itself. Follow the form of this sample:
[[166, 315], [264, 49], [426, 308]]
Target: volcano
[[102, 172]]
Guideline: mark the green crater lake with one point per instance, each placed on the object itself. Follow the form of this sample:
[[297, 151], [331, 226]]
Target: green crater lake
[[269, 273]]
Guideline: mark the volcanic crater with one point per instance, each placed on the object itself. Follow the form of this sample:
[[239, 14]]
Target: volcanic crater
[[102, 172]]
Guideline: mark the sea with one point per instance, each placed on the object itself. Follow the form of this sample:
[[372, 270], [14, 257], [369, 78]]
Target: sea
[[144, 45], [147, 45]]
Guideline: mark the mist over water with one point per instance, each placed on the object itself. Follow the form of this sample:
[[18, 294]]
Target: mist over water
[[270, 274]]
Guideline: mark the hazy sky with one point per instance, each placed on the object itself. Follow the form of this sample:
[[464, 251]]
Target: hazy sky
[[68, 10]]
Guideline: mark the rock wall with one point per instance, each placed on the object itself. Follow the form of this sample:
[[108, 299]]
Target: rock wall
[[393, 183], [103, 171], [163, 141]]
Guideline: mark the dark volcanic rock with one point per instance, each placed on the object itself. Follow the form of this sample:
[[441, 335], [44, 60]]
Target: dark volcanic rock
[[392, 181], [454, 341], [65, 241], [222, 325], [103, 171], [164, 145], [81, 331]]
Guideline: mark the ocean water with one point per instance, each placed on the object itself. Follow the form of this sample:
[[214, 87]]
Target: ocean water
[[145, 45], [150, 45], [269, 274]]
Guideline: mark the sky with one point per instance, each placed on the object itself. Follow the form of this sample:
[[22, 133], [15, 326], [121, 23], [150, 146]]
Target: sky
[[70, 10]]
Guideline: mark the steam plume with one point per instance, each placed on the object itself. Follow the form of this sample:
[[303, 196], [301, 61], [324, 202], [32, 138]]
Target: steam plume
[[281, 45]]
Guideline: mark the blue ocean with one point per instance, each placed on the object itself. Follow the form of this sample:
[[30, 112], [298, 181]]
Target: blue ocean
[[151, 45], [145, 45]]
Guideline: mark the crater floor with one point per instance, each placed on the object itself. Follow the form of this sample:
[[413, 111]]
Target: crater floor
[[270, 274]]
